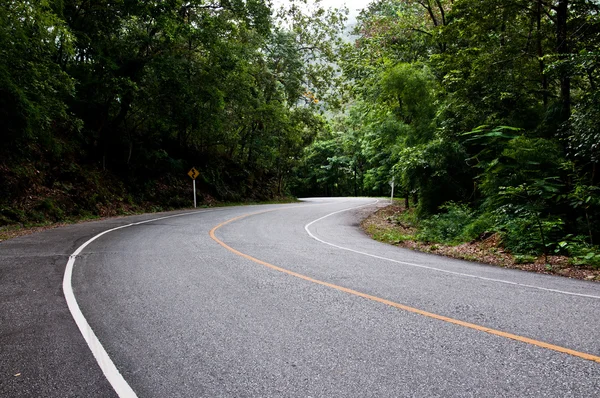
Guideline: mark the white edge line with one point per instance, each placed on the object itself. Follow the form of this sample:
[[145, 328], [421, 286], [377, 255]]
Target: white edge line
[[306, 227], [107, 366]]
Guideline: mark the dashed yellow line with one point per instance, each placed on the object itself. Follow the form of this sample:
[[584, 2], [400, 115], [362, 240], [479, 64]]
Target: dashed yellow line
[[480, 328]]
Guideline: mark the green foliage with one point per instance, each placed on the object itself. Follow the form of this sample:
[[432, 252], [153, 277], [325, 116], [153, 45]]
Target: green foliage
[[408, 91], [526, 232], [524, 258], [448, 226], [33, 87], [389, 235], [587, 256], [406, 218], [524, 162], [491, 104], [50, 208], [138, 92], [480, 226], [580, 251], [583, 131], [456, 223]]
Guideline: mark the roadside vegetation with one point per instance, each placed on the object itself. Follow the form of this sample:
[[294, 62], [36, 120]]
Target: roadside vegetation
[[455, 235]]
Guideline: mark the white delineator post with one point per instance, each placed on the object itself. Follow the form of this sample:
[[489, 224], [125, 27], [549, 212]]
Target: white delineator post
[[392, 196], [194, 186]]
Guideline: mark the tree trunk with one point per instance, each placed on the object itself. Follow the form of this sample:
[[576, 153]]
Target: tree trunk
[[540, 51], [562, 49], [130, 151]]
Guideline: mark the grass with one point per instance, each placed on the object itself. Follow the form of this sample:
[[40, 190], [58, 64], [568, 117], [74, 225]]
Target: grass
[[387, 234]]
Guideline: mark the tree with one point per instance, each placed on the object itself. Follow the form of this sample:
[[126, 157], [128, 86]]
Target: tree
[[489, 103], [33, 89]]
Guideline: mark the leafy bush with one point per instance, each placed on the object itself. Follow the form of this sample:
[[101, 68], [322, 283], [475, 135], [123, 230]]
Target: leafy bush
[[581, 252], [52, 209], [590, 256], [480, 225], [526, 232], [447, 227]]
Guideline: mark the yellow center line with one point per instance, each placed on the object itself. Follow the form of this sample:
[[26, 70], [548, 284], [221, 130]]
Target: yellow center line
[[480, 328]]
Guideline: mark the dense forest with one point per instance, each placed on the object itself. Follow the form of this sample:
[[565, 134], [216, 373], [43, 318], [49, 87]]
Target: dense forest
[[107, 104], [486, 113]]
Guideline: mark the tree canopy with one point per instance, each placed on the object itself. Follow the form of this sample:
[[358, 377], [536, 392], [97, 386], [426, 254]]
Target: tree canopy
[[121, 98], [489, 104]]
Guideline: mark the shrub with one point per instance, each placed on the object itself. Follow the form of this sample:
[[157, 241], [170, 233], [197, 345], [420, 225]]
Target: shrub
[[447, 227], [581, 252], [51, 209], [480, 225], [527, 232]]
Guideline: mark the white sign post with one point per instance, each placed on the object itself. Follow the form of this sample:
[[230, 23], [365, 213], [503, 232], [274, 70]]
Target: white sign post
[[193, 173], [194, 188], [392, 185]]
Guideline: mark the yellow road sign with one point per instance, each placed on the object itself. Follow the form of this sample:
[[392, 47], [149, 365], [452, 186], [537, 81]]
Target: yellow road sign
[[193, 173]]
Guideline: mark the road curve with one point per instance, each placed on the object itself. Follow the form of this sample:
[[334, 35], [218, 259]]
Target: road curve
[[285, 300]]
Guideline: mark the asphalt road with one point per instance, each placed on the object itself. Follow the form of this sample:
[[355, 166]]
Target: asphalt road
[[271, 307]]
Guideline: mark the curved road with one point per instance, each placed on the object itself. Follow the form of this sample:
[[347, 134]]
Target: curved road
[[284, 301]]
